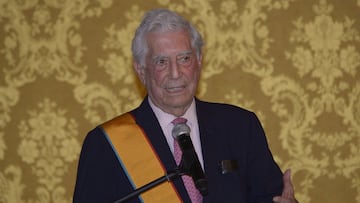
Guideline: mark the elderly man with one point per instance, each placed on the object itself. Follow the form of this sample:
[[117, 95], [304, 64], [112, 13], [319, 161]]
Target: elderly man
[[135, 148]]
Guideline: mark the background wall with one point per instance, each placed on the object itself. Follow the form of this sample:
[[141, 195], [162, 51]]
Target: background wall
[[66, 67]]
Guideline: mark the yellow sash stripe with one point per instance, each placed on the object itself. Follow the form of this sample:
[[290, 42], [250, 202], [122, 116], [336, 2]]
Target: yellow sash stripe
[[139, 158]]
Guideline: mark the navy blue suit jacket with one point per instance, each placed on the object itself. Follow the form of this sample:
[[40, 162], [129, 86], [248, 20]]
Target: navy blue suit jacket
[[226, 132]]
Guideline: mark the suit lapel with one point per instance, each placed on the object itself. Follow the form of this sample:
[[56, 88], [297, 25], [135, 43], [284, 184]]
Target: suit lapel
[[207, 128], [211, 147]]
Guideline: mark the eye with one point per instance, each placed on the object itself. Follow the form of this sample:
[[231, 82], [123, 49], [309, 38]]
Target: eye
[[185, 59], [161, 63]]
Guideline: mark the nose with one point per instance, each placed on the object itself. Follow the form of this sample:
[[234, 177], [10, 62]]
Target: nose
[[174, 70]]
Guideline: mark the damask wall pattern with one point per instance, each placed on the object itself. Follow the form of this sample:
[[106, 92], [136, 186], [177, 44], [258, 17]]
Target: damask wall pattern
[[66, 67]]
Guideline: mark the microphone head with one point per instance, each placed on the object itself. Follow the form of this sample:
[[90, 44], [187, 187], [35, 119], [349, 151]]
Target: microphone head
[[180, 129]]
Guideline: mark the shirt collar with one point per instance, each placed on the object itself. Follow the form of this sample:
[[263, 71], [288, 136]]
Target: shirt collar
[[166, 118]]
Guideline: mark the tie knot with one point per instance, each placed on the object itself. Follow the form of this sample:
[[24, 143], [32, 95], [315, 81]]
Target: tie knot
[[179, 120]]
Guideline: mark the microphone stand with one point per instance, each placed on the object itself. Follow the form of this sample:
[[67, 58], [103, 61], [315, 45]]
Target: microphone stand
[[171, 175]]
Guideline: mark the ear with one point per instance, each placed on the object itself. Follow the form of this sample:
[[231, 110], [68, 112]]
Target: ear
[[140, 72], [200, 61]]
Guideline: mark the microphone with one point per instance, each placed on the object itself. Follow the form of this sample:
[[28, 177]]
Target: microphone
[[189, 161]]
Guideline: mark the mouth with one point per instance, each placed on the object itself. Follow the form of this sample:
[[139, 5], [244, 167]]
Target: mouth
[[175, 89]]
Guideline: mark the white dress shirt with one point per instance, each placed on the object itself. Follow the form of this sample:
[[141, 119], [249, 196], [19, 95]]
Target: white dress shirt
[[165, 120]]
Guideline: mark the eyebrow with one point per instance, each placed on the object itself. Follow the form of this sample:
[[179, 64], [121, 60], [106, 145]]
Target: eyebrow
[[184, 52], [156, 57]]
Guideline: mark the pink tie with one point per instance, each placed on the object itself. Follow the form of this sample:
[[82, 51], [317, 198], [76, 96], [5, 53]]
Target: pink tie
[[194, 193]]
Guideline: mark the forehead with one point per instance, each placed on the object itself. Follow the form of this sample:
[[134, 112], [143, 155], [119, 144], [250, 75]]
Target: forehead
[[168, 43]]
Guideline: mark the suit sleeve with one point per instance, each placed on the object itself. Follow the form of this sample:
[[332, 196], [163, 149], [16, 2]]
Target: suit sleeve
[[100, 177]]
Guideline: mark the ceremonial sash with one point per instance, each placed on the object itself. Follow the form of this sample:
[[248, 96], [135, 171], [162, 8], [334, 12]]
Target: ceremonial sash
[[139, 159]]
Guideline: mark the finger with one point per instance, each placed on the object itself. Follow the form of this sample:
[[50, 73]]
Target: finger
[[277, 199], [288, 190]]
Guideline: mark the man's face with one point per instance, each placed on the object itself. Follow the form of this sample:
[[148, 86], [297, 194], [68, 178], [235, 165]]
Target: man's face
[[171, 71]]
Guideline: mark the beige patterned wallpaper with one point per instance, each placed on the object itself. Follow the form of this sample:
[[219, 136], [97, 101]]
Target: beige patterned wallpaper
[[65, 66]]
